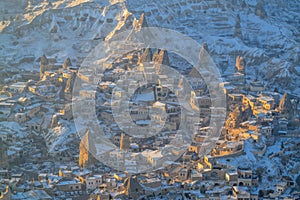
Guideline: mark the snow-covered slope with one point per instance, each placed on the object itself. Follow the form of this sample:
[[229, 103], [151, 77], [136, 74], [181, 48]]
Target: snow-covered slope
[[58, 29], [265, 33], [258, 30]]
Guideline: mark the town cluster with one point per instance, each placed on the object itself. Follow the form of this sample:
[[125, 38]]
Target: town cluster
[[256, 155]]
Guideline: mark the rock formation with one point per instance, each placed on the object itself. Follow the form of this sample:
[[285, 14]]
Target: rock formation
[[260, 11], [237, 28], [285, 105], [124, 142], [86, 151], [70, 83], [43, 63], [133, 189], [161, 57], [240, 64], [67, 63], [3, 155], [138, 24], [205, 47], [54, 121], [146, 56]]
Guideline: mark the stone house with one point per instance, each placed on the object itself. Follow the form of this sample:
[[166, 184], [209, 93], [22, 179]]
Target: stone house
[[232, 176], [244, 176], [281, 187], [93, 182], [5, 109], [68, 185]]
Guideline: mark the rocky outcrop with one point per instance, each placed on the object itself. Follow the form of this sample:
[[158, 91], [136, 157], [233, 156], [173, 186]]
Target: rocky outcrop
[[142, 22], [240, 64], [146, 56], [205, 47], [260, 11], [285, 105], [43, 63], [161, 57], [67, 63], [133, 189], [54, 121], [237, 28], [86, 150], [3, 155], [70, 83]]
